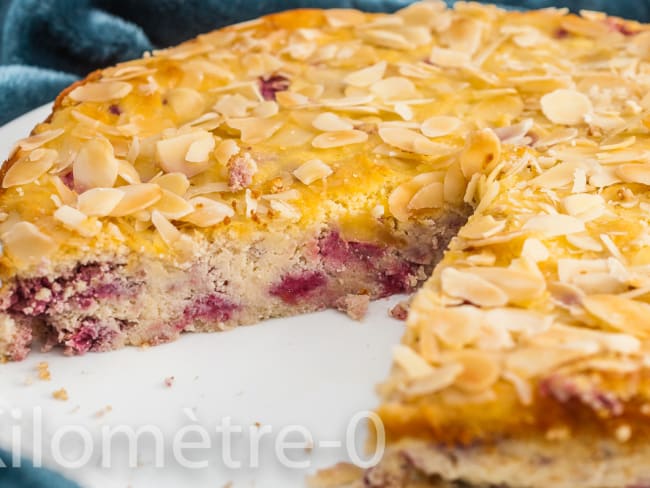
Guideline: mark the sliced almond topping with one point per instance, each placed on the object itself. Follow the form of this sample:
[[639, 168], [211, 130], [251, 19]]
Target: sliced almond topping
[[234, 105], [188, 104], [328, 121], [37, 140], [408, 360], [95, 165], [225, 150], [584, 242], [127, 172], [410, 141], [168, 232], [455, 184], [171, 152], [386, 38], [75, 220], [254, 129], [136, 198], [312, 170], [554, 225], [464, 35], [199, 150], [558, 176], [266, 109], [456, 326], [101, 92], [394, 87], [339, 138], [174, 182], [285, 210], [634, 173], [173, 206], [208, 212], [442, 377], [585, 206], [472, 288], [27, 170], [567, 107], [400, 197], [480, 370], [440, 125], [480, 227], [620, 313], [24, 242], [429, 196], [448, 58], [366, 76], [99, 202], [535, 250], [344, 17], [481, 152], [520, 286]]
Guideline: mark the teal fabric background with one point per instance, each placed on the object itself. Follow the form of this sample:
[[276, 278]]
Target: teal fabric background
[[47, 44]]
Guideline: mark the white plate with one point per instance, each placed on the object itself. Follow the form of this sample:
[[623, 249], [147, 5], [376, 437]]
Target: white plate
[[311, 374]]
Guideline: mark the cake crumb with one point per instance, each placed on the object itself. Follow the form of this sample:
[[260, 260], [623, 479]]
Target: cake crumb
[[61, 394], [169, 381], [103, 411], [43, 369], [356, 306], [400, 311]]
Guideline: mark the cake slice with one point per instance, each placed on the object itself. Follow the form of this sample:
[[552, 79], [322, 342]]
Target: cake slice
[[267, 169], [526, 357]]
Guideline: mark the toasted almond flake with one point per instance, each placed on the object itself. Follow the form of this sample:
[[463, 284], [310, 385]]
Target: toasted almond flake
[[455, 185], [481, 152], [208, 212], [312, 170], [455, 327], [535, 250], [95, 165], [127, 172], [99, 202], [28, 170], [37, 140], [225, 150], [266, 109], [174, 182], [75, 220], [585, 206], [136, 198], [394, 87], [442, 377], [172, 206], [558, 136], [634, 173], [339, 138], [199, 150], [515, 134], [101, 91], [521, 385], [24, 242], [413, 365], [386, 38], [520, 286], [171, 153], [366, 76], [429, 196], [584, 242], [168, 232], [328, 121], [472, 288], [567, 107], [214, 187], [400, 197], [411, 141], [286, 195], [480, 370], [188, 104], [254, 129], [343, 17], [234, 105], [554, 225], [439, 125], [448, 58], [463, 35], [620, 313], [285, 210], [480, 227]]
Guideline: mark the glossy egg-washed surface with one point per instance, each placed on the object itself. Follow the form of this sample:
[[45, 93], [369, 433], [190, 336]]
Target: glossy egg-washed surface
[[538, 315]]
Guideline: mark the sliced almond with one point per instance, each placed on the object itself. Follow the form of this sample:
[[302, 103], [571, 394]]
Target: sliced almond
[[339, 138], [429, 196], [75, 220], [480, 370], [312, 170], [136, 198], [482, 151], [344, 17], [410, 362], [199, 150], [410, 141], [127, 172], [440, 125], [99, 202], [168, 232], [585, 206], [37, 140], [400, 197], [171, 153], [567, 107], [472, 288], [535, 250], [234, 105], [394, 87], [208, 212], [455, 184], [366, 76], [634, 173], [188, 104], [101, 92], [520, 286], [448, 58], [554, 225], [174, 182], [95, 165], [328, 121], [255, 129], [620, 313], [225, 150], [456, 327], [173, 206], [442, 377], [29, 169], [24, 242]]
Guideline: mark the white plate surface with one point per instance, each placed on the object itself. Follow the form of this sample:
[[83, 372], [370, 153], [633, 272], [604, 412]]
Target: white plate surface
[[277, 382]]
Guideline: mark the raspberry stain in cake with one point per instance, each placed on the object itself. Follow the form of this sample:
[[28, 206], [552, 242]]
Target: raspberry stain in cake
[[91, 335], [294, 287], [215, 307], [273, 84]]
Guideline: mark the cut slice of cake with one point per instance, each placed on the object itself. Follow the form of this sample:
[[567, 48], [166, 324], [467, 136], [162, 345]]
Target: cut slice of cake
[[526, 357], [267, 169]]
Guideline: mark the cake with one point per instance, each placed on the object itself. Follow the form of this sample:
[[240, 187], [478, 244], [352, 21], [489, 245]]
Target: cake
[[315, 159]]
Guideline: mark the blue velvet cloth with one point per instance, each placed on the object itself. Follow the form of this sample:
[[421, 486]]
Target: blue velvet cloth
[[47, 44]]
